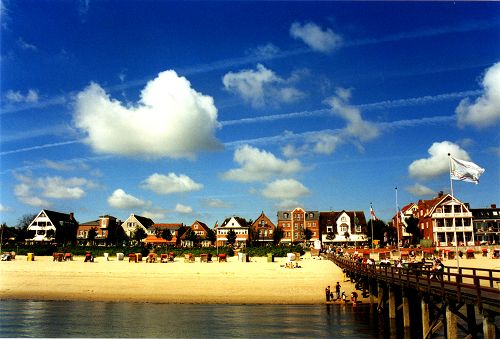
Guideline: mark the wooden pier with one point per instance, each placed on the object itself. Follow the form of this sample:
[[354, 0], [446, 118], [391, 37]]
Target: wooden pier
[[446, 305]]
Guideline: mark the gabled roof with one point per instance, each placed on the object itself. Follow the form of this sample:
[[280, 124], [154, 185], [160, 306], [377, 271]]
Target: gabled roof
[[171, 227], [407, 207], [315, 214], [263, 216], [91, 223], [240, 221], [56, 217], [146, 222], [202, 224]]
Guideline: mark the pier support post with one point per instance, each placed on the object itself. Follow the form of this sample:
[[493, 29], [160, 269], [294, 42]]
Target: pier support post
[[471, 318], [451, 321], [392, 303], [425, 315], [372, 295], [489, 327], [406, 311], [380, 295]]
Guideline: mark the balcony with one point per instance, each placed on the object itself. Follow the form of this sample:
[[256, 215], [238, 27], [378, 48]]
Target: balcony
[[453, 229], [452, 215]]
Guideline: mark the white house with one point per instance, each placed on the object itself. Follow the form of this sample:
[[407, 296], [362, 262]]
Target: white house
[[47, 223]]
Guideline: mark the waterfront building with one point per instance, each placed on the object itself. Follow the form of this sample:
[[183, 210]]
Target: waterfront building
[[134, 221], [294, 224], [156, 230], [105, 228], [343, 227], [201, 231], [236, 224], [49, 226], [486, 225], [445, 221], [262, 230]]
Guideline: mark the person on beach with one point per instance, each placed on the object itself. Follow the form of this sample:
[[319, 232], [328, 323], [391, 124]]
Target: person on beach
[[327, 293], [337, 290], [344, 297], [354, 297]]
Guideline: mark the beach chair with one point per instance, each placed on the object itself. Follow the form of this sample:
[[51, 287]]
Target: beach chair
[[189, 257], [171, 256], [222, 257], [209, 257], [151, 257], [203, 257], [132, 257], [68, 256], [164, 258], [89, 257]]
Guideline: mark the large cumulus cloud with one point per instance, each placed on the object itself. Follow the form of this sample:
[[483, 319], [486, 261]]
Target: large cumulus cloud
[[171, 119]]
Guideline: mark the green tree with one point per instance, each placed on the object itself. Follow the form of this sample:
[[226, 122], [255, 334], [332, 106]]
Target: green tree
[[139, 234], [231, 237], [308, 234], [191, 236], [413, 229], [22, 223], [166, 234], [119, 236], [91, 235], [278, 235], [211, 236]]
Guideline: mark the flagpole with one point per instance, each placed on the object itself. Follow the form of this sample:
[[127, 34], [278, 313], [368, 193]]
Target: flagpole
[[453, 214], [397, 219], [371, 221]]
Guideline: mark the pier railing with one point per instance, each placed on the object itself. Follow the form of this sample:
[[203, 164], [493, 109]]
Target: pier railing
[[467, 285]]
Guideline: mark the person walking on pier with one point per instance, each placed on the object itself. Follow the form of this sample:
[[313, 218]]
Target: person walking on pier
[[327, 293], [337, 290]]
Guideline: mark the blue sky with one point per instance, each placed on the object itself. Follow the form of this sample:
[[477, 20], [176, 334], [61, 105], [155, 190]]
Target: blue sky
[[201, 110]]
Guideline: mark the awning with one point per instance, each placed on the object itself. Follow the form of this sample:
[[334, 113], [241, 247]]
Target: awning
[[152, 239]]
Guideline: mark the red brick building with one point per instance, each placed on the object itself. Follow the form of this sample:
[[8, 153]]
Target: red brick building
[[294, 223]]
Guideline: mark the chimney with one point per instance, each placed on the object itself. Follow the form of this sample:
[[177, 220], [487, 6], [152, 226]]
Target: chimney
[[71, 216], [493, 205], [440, 194]]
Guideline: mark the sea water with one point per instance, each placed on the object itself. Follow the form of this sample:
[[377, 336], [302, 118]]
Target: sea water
[[107, 319]]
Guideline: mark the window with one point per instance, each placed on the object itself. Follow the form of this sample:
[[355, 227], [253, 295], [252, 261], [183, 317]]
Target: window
[[196, 226], [329, 229], [358, 229], [262, 223]]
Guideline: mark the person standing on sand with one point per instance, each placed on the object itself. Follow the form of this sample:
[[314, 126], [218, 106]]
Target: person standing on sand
[[327, 293], [337, 290]]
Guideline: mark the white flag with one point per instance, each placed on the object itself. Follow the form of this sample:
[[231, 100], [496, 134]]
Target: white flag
[[402, 217], [465, 171]]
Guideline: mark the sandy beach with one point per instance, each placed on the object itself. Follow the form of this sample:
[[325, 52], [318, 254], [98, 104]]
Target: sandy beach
[[232, 282], [254, 282]]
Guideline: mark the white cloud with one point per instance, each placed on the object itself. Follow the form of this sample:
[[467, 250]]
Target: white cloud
[[24, 194], [258, 165], [180, 208], [485, 111], [171, 183], [26, 46], [286, 205], [420, 190], [215, 203], [120, 199], [30, 190], [17, 97], [324, 41], [438, 162], [326, 143], [356, 126], [261, 86], [267, 51], [284, 189], [171, 119], [154, 214]]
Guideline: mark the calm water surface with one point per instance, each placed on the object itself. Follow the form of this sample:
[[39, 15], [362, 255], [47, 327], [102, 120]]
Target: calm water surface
[[104, 319]]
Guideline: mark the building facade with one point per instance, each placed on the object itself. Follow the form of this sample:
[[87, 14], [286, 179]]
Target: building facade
[[262, 230], [50, 226], [105, 228], [445, 221], [294, 223], [343, 228], [486, 225], [134, 221], [201, 230], [236, 224]]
